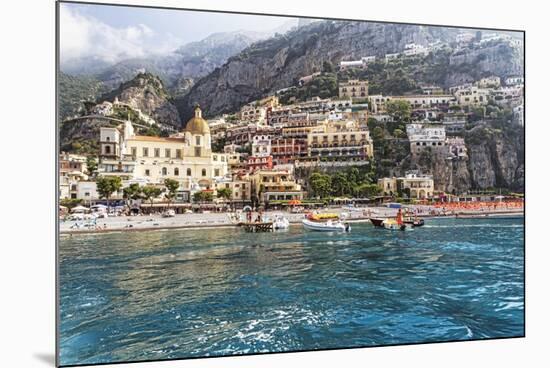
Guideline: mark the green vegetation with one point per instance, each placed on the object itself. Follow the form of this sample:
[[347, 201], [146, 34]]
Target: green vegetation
[[323, 86], [74, 92], [224, 193], [70, 202], [150, 192], [355, 181], [107, 185], [172, 187], [133, 191], [91, 166], [203, 197]]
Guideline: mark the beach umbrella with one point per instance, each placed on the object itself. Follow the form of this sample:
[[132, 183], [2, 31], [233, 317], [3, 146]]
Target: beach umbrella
[[79, 209]]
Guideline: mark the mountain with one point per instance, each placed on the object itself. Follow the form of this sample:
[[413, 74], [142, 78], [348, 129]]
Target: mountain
[[146, 92], [278, 62], [75, 89]]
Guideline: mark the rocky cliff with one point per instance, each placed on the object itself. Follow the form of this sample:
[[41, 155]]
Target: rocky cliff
[[495, 160], [146, 92]]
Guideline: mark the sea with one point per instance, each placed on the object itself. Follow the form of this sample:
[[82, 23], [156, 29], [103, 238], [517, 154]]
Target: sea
[[137, 296]]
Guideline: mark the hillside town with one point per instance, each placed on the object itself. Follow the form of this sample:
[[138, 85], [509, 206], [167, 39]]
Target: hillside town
[[307, 153]]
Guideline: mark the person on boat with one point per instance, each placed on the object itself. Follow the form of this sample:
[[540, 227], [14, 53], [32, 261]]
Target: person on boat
[[399, 218]]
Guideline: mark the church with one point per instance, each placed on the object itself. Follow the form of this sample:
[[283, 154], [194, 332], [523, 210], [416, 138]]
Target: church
[[185, 156]]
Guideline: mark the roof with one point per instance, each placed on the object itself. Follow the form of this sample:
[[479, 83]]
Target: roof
[[197, 125]]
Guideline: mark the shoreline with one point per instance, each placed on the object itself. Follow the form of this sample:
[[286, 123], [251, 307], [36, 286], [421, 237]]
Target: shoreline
[[221, 220]]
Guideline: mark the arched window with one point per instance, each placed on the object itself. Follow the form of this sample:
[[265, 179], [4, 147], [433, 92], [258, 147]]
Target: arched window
[[107, 149], [203, 172], [188, 172], [164, 171], [176, 171], [108, 139]]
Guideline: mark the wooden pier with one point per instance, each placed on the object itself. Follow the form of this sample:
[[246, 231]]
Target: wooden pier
[[257, 227]]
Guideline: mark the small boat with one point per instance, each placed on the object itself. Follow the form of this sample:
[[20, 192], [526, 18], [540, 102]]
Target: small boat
[[391, 224], [326, 226], [281, 223], [169, 213], [415, 222], [378, 222]]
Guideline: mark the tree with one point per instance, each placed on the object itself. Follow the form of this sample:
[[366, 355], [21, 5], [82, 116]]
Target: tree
[[328, 67], [133, 191], [150, 192], [368, 190], [107, 185], [320, 185], [224, 193], [377, 134], [398, 133], [172, 187], [91, 165], [203, 197], [399, 110], [341, 184]]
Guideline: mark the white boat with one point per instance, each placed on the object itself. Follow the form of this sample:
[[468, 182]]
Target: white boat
[[280, 223], [325, 226], [392, 224], [169, 213]]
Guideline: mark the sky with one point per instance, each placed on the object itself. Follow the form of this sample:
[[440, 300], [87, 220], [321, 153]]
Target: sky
[[113, 33]]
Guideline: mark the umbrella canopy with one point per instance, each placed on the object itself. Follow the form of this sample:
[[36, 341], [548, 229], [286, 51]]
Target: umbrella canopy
[[80, 209], [294, 202]]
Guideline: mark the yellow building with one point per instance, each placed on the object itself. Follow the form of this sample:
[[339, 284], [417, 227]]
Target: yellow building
[[272, 185], [354, 89], [340, 141], [185, 156], [412, 185]]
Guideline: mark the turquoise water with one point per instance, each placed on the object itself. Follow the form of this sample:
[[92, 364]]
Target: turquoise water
[[190, 293]]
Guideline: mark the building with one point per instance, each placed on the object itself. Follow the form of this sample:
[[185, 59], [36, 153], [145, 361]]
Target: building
[[378, 102], [275, 185], [393, 56], [286, 150], [472, 95], [412, 185], [518, 115], [454, 125], [261, 145], [413, 49], [72, 169], [344, 141], [308, 78], [240, 189], [252, 113], [254, 163], [456, 147], [489, 82], [186, 156], [354, 89], [514, 81], [424, 136]]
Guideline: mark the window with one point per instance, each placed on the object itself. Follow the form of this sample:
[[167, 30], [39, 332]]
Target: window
[[217, 172], [134, 151], [164, 171], [167, 153], [147, 172], [108, 139], [203, 172], [107, 150], [197, 151], [215, 157], [157, 152], [145, 152], [176, 171], [178, 153], [198, 140], [188, 172]]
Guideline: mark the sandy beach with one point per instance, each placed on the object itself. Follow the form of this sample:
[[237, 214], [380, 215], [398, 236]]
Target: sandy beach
[[223, 219]]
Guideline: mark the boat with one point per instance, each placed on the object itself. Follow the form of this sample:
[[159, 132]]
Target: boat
[[169, 213], [392, 224], [378, 222], [323, 216], [415, 222], [281, 223], [329, 225]]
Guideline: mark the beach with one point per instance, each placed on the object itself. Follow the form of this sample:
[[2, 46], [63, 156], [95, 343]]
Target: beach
[[227, 219]]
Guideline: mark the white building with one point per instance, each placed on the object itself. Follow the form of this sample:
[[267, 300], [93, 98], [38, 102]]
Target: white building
[[261, 145], [424, 135], [413, 49]]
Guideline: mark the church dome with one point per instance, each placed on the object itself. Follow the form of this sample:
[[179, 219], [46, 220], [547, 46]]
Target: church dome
[[197, 125]]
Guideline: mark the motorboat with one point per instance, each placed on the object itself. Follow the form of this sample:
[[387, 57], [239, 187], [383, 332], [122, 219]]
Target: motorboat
[[281, 223], [323, 216], [378, 222], [169, 213], [415, 222], [329, 225]]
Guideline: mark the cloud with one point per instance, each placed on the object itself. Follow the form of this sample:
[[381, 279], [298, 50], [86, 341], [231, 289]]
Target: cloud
[[83, 36]]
